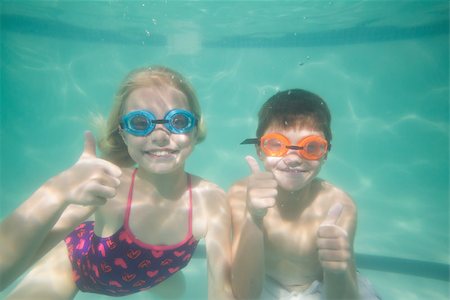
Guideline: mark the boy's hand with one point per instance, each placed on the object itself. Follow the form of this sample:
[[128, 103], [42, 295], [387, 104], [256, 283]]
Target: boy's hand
[[91, 181], [332, 242], [261, 191]]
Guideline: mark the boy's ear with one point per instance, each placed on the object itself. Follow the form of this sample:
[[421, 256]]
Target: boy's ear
[[259, 152]]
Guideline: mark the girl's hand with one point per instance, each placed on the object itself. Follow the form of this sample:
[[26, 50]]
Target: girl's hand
[[91, 181]]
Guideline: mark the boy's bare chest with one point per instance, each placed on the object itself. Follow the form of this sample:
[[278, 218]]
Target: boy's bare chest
[[291, 255], [292, 239]]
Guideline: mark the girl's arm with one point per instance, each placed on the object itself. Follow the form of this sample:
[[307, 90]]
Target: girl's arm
[[50, 278], [54, 210]]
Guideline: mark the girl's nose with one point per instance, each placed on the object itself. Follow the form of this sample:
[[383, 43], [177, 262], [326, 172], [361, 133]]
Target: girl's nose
[[160, 135]]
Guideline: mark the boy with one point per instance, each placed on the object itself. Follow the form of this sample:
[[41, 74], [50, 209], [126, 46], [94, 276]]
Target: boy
[[293, 233]]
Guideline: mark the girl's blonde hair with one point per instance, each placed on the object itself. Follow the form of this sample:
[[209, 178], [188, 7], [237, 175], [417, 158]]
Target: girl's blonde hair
[[111, 143]]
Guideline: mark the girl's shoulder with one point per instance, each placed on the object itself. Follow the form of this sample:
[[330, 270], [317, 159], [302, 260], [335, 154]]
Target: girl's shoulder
[[203, 185], [210, 194]]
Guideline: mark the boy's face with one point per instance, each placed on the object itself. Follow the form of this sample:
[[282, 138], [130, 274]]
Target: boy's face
[[292, 171]]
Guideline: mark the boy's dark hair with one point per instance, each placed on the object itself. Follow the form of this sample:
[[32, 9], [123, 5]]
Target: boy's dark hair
[[295, 107]]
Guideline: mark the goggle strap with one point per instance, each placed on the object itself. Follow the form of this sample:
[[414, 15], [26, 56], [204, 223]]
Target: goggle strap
[[293, 147], [163, 121], [250, 141]]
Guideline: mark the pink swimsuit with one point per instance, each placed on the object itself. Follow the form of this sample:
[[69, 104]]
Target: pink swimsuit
[[121, 264]]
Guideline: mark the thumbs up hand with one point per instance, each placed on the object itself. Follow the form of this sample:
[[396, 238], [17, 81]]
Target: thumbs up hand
[[333, 244], [261, 190], [91, 180]]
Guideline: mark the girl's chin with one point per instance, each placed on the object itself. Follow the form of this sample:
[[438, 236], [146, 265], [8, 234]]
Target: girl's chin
[[160, 168]]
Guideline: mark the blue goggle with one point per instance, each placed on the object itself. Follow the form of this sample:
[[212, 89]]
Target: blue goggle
[[142, 122]]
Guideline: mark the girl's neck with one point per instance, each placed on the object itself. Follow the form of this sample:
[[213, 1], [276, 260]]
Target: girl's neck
[[169, 185]]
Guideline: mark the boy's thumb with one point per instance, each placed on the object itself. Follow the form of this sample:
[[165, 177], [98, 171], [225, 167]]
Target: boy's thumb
[[252, 163], [333, 214]]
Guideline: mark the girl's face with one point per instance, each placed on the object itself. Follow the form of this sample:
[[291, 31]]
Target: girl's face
[[160, 152], [292, 171]]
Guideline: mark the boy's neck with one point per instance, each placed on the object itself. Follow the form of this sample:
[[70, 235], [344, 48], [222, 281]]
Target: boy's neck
[[292, 204]]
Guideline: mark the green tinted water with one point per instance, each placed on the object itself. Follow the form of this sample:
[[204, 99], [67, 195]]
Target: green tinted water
[[383, 69]]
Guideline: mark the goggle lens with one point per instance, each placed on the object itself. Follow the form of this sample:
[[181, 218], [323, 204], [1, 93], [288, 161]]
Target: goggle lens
[[179, 121], [274, 145], [139, 123], [314, 147]]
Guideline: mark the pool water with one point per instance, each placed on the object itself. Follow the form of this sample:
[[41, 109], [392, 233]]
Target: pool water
[[382, 66]]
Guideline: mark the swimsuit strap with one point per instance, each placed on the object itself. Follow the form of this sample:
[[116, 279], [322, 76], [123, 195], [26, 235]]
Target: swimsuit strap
[[128, 211], [190, 205], [130, 198]]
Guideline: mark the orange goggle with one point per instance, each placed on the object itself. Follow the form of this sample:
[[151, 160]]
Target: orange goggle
[[312, 147]]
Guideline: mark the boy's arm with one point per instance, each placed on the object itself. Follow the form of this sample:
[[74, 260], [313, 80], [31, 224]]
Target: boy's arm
[[248, 266], [250, 200], [335, 244]]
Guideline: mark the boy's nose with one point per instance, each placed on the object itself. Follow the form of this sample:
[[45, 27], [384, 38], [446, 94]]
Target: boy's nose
[[292, 157]]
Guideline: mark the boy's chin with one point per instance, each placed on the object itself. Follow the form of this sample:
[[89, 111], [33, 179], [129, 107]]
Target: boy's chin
[[291, 187]]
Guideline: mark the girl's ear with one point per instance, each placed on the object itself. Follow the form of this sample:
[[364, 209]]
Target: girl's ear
[[195, 135], [122, 135]]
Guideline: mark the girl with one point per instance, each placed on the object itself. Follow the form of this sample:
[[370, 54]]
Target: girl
[[143, 237]]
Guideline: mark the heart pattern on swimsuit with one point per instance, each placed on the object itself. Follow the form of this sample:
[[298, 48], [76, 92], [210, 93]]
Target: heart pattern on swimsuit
[[116, 266]]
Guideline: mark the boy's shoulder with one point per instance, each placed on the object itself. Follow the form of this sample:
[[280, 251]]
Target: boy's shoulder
[[327, 190], [239, 185]]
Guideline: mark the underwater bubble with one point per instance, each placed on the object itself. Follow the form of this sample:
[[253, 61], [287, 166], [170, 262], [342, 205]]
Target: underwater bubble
[[303, 62]]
